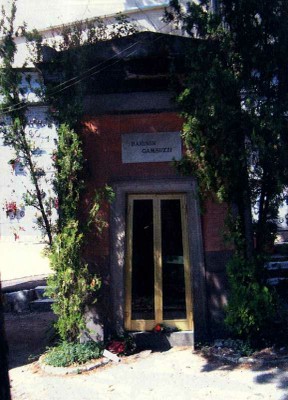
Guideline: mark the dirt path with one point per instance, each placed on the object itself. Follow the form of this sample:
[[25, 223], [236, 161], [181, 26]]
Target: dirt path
[[175, 374]]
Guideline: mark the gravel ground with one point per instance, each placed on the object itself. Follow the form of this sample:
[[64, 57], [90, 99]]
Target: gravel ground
[[174, 374]]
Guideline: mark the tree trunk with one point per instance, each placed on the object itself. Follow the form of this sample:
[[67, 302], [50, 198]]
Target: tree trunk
[[27, 151], [248, 228]]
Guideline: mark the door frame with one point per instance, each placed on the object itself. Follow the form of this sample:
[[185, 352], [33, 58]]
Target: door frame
[[118, 243], [148, 325]]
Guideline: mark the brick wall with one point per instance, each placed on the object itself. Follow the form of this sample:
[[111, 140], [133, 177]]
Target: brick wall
[[213, 226], [102, 144], [102, 149], [217, 253]]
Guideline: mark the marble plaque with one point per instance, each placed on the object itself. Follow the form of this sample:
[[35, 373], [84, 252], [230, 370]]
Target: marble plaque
[[151, 147]]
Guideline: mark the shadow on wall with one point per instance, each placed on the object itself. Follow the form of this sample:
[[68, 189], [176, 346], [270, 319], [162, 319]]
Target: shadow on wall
[[217, 290]]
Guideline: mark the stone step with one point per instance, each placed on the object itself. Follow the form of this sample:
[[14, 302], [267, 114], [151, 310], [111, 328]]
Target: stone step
[[18, 301], [277, 265], [41, 305], [163, 341], [40, 292], [276, 281], [27, 300]]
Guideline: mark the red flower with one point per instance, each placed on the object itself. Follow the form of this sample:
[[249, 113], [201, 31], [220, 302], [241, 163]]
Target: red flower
[[157, 328], [116, 347]]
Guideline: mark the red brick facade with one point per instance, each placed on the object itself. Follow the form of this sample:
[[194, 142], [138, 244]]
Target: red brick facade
[[102, 148]]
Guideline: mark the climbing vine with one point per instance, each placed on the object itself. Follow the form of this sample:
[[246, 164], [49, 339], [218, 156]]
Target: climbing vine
[[72, 285]]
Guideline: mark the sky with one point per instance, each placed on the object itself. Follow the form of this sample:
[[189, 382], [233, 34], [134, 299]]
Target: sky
[[45, 13]]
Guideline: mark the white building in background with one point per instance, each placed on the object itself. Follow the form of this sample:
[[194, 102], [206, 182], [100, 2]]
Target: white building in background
[[42, 14], [18, 222], [146, 14]]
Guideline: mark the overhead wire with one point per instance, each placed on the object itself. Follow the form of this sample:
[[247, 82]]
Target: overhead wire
[[78, 78], [96, 66], [101, 69]]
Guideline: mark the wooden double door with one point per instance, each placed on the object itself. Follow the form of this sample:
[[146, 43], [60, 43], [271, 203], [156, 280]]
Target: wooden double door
[[157, 280]]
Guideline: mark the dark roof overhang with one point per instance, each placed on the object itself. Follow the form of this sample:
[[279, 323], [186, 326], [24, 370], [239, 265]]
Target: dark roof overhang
[[141, 61]]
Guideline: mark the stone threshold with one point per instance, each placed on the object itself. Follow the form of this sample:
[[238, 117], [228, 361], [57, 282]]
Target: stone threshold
[[162, 341]]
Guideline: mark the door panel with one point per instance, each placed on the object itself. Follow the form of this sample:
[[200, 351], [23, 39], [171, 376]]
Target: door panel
[[157, 263], [173, 280], [143, 261]]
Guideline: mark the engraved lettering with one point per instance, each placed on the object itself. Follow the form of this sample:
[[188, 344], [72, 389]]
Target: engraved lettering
[[143, 143], [157, 150]]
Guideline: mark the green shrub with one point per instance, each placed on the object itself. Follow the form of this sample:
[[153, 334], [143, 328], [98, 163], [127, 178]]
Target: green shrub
[[72, 286], [252, 308], [66, 354]]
